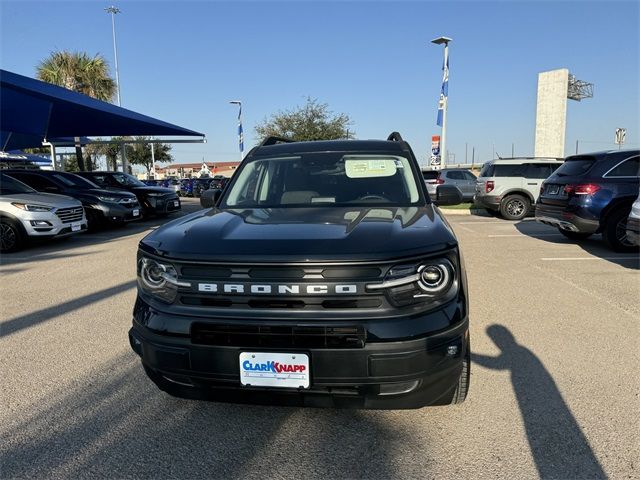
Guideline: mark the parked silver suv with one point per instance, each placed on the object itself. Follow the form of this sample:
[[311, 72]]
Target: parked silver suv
[[25, 213], [511, 186], [458, 177]]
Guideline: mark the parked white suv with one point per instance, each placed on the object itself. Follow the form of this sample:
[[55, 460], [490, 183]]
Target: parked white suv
[[25, 213], [633, 224], [511, 186]]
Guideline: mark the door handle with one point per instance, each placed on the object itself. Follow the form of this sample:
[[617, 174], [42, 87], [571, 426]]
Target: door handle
[[535, 183]]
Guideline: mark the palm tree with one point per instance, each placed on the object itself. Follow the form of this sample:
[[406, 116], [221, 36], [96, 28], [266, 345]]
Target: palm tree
[[81, 73]]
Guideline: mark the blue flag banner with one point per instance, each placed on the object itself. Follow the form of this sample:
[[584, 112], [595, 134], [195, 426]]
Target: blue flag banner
[[240, 134], [444, 92]]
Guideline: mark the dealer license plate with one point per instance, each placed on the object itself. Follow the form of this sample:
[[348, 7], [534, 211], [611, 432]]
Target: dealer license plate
[[76, 227], [281, 370], [136, 212]]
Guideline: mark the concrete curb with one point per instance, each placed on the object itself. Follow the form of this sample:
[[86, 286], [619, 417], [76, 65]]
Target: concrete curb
[[476, 212]]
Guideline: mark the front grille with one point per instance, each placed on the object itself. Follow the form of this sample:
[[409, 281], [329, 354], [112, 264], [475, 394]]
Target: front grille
[[294, 280], [220, 272], [278, 336], [69, 215], [299, 303]]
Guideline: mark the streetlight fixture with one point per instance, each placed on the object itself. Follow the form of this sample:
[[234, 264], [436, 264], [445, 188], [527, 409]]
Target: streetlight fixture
[[240, 133], [444, 94]]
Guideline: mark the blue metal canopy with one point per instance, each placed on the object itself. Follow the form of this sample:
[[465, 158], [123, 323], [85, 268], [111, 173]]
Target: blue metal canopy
[[32, 111]]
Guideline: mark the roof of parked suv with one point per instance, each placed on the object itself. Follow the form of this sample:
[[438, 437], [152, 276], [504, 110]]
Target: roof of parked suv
[[330, 146], [519, 160]]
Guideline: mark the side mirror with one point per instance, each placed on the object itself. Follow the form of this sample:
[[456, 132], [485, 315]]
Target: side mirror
[[209, 198], [447, 195]]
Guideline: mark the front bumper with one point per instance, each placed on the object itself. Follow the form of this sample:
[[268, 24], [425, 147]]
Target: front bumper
[[409, 373], [560, 217], [48, 225], [633, 230], [116, 213], [161, 205]]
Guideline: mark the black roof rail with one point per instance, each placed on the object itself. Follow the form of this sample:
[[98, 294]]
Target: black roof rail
[[395, 137], [273, 140]]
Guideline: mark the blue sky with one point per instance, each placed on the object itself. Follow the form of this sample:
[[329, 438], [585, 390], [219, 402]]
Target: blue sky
[[183, 61]]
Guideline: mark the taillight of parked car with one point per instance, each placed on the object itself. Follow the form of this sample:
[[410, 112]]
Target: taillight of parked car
[[581, 189], [439, 181], [489, 186]]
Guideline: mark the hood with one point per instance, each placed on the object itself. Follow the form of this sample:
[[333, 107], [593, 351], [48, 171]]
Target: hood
[[100, 192], [48, 199], [303, 234]]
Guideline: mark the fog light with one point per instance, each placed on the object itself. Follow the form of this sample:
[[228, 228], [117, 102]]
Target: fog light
[[452, 350], [40, 223]]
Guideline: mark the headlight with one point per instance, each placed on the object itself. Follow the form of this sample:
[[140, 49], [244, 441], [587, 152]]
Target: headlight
[[109, 199], [159, 279], [32, 207], [431, 282]]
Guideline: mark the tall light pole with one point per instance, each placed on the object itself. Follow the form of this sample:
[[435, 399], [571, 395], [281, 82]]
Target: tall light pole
[[240, 133], [444, 97], [113, 11]]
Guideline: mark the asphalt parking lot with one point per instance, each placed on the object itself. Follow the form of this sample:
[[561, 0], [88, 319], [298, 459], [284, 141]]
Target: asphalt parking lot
[[554, 387]]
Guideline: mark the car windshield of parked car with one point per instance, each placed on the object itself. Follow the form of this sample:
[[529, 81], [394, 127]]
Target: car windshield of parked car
[[74, 181], [127, 180], [322, 179], [11, 186]]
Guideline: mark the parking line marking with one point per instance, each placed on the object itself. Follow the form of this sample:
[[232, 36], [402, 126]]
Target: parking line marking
[[561, 259], [480, 222], [467, 229], [532, 235], [584, 290]]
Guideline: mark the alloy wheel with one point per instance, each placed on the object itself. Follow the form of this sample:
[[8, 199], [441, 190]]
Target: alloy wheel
[[621, 232], [7, 236], [515, 207]]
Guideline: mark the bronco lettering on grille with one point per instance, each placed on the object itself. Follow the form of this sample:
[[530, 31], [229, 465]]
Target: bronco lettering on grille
[[270, 289]]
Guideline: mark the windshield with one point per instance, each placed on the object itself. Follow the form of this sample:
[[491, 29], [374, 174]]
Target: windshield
[[127, 180], [74, 181], [321, 179], [575, 166], [11, 186]]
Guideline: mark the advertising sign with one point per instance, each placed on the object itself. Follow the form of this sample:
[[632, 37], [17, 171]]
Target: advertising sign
[[435, 151]]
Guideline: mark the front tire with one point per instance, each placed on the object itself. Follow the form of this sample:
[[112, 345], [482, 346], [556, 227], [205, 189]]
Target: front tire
[[462, 389], [574, 235], [515, 207], [11, 237], [615, 231]]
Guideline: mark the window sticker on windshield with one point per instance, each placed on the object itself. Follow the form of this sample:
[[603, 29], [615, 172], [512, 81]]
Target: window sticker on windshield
[[356, 168]]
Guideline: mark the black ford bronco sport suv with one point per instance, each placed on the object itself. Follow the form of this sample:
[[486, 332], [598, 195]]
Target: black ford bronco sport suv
[[323, 276]]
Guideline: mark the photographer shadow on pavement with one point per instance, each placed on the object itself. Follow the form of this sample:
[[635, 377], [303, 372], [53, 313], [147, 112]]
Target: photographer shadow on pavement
[[558, 446]]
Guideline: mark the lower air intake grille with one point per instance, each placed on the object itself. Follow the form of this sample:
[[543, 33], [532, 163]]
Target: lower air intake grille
[[278, 336]]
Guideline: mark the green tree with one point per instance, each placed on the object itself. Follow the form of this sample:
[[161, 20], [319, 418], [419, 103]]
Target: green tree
[[81, 73], [140, 153], [111, 151], [311, 121]]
